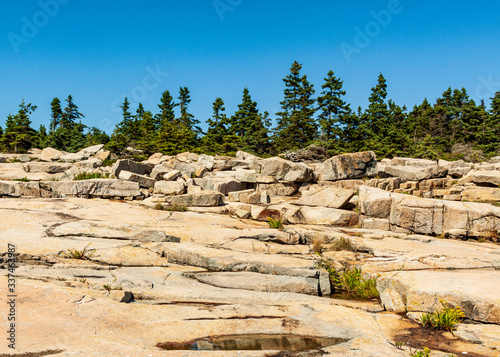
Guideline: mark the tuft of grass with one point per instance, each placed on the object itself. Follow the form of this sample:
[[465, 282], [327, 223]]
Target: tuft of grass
[[24, 179], [79, 254], [425, 352], [159, 207], [351, 281], [108, 162], [89, 176], [445, 319], [109, 287], [342, 244], [275, 223], [317, 245], [177, 208]]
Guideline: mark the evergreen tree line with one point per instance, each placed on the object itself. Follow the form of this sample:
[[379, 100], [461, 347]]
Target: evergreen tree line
[[427, 131]]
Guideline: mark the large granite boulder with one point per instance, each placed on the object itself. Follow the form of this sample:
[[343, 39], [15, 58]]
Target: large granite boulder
[[331, 197], [349, 166], [50, 154], [103, 188], [198, 199], [486, 178], [286, 170], [416, 173], [169, 187], [143, 180], [132, 166]]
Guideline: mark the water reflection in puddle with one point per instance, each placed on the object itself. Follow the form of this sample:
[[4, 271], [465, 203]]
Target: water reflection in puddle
[[254, 343]]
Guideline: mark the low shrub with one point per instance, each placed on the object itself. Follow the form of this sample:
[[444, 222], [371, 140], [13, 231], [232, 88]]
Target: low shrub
[[275, 223], [445, 319], [89, 176], [177, 208]]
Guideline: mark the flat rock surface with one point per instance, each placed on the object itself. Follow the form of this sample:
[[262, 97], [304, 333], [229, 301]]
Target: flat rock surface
[[220, 275]]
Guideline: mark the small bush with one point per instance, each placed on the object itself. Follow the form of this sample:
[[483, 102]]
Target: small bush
[[159, 207], [445, 319], [275, 223], [24, 179], [79, 254], [351, 281], [108, 162], [425, 352], [177, 208], [342, 244], [89, 176]]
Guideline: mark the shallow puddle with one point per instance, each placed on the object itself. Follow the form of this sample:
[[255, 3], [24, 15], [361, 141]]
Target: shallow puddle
[[254, 343]]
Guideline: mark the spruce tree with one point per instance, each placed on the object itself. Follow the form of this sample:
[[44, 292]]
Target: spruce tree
[[375, 124], [147, 129], [333, 110], [68, 135], [296, 126], [249, 126], [56, 114], [19, 136], [216, 139]]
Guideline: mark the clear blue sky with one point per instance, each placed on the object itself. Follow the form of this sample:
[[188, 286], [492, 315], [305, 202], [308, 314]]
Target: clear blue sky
[[100, 51]]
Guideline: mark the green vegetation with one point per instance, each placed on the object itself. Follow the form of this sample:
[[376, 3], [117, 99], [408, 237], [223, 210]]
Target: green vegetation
[[176, 208], [89, 176], [350, 282], [79, 254], [275, 223], [425, 352], [445, 319], [342, 244], [452, 126], [24, 179], [109, 287], [108, 162]]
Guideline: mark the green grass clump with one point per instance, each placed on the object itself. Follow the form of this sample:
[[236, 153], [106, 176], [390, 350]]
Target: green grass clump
[[275, 223], [24, 179], [350, 281], [108, 162], [425, 352], [445, 319], [176, 208], [342, 244], [89, 176], [79, 254]]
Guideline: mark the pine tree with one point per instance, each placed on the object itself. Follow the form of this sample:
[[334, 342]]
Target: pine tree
[[188, 125], [216, 139], [56, 114], [69, 133], [296, 125], [249, 126], [96, 136], [147, 129], [41, 137], [126, 133], [19, 136], [375, 125], [333, 110]]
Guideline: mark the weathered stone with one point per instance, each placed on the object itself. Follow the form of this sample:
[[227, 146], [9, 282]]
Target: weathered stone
[[22, 158], [172, 175], [9, 188], [155, 236], [91, 150], [106, 188], [243, 214], [411, 173], [89, 164], [406, 161], [375, 223], [481, 194], [169, 187], [193, 189], [491, 178], [279, 189], [349, 166], [158, 172], [223, 165], [265, 179], [375, 203], [331, 197], [143, 180], [246, 176], [392, 301], [72, 157], [319, 215], [286, 170], [103, 155], [200, 171], [207, 161], [2, 159], [185, 168], [235, 196], [132, 166], [188, 155], [50, 154], [201, 199], [50, 168], [260, 282]]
